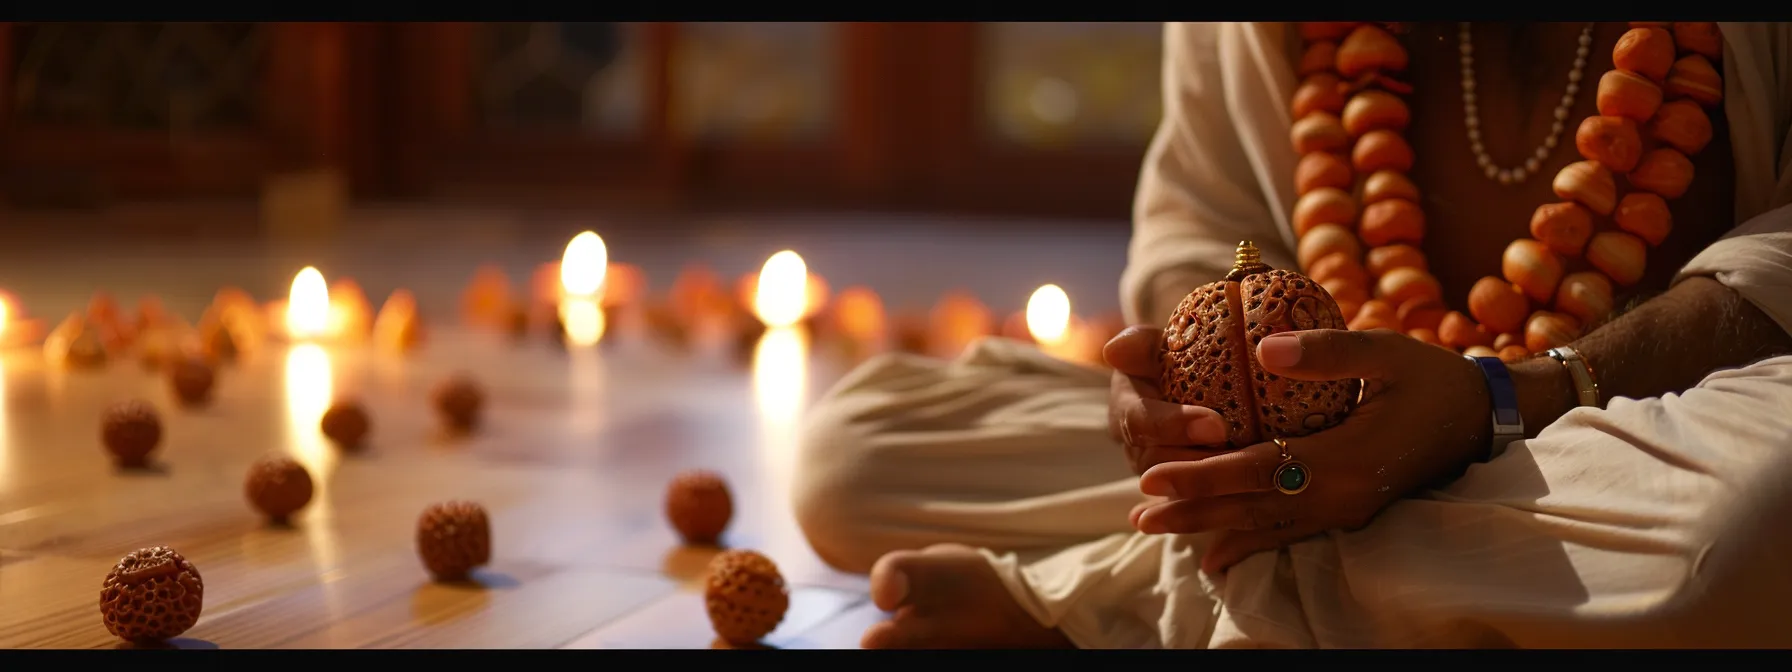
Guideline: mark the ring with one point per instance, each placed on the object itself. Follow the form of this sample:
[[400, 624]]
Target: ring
[[1291, 475]]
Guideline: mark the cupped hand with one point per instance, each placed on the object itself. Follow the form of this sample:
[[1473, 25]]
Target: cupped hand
[[1153, 430], [1425, 414]]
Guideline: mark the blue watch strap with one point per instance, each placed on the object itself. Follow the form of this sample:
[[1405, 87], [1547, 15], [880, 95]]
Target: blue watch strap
[[1508, 425]]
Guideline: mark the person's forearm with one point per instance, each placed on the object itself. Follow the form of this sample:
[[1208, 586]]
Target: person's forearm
[[1667, 344]]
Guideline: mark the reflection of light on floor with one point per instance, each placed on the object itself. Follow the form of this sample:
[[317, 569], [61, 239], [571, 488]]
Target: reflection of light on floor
[[780, 372], [585, 372], [583, 321], [310, 387], [780, 377]]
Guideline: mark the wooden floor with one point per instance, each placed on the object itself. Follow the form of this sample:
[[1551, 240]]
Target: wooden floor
[[571, 463]]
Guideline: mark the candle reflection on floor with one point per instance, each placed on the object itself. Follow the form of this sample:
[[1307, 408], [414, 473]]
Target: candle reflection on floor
[[780, 386], [310, 388], [583, 320]]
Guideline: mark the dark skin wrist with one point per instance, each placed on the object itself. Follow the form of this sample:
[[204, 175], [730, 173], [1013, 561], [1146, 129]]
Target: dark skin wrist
[[1713, 327], [1545, 389]]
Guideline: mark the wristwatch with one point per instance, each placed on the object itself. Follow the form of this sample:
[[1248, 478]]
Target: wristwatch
[[1508, 426]]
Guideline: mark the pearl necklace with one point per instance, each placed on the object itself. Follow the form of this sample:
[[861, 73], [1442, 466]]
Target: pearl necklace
[[1472, 117]]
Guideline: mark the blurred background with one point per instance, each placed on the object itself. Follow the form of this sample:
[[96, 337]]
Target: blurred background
[[184, 133]]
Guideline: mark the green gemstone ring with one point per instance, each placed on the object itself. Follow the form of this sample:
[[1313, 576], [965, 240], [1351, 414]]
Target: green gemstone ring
[[1291, 475]]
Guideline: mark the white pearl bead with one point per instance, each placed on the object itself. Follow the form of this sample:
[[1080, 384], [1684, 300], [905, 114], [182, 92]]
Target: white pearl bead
[[1471, 111]]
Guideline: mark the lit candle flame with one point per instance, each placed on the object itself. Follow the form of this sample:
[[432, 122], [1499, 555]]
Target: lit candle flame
[[308, 306], [1048, 315], [781, 297], [583, 266]]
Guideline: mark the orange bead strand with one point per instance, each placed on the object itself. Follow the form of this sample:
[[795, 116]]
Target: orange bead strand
[[1360, 227]]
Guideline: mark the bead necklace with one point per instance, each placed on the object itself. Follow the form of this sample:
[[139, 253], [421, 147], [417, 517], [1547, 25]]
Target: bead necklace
[[1471, 117], [1354, 191]]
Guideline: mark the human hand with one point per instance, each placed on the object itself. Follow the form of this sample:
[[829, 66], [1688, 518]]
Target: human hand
[[1426, 412], [1151, 429]]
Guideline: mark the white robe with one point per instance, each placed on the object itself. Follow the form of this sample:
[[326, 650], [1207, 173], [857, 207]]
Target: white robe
[[1653, 522]]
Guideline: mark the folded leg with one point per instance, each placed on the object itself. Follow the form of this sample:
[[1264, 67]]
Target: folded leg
[[1651, 523], [1005, 447]]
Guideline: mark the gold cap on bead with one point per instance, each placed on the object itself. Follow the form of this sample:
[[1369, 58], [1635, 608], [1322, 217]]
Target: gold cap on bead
[[1248, 260]]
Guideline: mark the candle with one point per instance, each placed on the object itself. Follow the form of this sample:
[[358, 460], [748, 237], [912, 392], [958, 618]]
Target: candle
[[582, 275], [780, 295], [487, 301], [955, 322], [859, 321], [351, 316], [1054, 328], [1048, 316], [15, 329], [398, 327], [308, 306]]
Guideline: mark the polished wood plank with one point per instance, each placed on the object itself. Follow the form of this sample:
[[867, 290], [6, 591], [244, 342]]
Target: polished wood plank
[[571, 462], [571, 471], [679, 621]]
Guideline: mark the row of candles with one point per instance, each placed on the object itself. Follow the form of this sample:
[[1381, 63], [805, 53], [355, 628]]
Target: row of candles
[[580, 298]]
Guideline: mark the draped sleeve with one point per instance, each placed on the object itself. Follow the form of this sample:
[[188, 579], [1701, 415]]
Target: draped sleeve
[[1755, 258]]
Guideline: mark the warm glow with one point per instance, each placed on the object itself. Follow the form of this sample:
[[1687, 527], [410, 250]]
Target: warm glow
[[781, 296], [583, 266], [780, 384], [5, 314], [308, 306], [583, 320], [310, 386], [1048, 315], [780, 375], [5, 429]]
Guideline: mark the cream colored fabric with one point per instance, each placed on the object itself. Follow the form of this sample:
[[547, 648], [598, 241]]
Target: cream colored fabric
[[1648, 523]]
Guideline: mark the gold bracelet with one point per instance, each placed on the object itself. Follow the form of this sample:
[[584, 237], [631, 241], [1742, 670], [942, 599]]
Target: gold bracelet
[[1586, 386]]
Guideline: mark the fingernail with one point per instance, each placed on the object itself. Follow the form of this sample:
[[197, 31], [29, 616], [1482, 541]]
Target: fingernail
[[1279, 350], [1133, 518], [1156, 486], [1148, 523], [1207, 430], [893, 591]]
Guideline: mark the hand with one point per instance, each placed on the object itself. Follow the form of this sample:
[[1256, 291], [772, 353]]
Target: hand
[[1153, 430], [1426, 412]]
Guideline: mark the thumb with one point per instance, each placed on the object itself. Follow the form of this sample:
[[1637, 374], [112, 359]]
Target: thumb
[[1336, 354], [1233, 547]]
